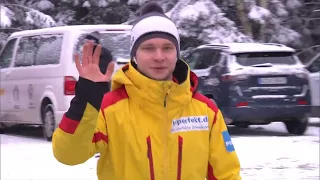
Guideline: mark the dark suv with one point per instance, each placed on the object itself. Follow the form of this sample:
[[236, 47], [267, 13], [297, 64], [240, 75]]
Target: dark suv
[[254, 83]]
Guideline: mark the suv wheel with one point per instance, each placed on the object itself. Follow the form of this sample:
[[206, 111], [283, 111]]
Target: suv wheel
[[297, 126], [213, 101], [49, 122], [241, 124]]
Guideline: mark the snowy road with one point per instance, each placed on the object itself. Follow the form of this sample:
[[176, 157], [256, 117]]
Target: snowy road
[[265, 152]]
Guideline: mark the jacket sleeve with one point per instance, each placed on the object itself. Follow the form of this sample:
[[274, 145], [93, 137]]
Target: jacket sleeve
[[82, 131], [223, 160]]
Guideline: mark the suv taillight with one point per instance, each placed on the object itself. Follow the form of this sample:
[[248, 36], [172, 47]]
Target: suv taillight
[[69, 85], [302, 75], [233, 78]]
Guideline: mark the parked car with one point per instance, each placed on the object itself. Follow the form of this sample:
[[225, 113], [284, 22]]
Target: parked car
[[254, 83], [314, 68], [38, 72]]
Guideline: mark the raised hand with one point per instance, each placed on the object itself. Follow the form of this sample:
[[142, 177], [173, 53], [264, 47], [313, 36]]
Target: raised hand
[[89, 69]]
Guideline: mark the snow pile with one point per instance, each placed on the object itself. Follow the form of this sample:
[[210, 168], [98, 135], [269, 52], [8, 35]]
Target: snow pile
[[35, 161], [265, 152], [278, 157]]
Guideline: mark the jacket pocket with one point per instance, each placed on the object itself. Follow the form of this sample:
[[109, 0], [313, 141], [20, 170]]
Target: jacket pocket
[[150, 158], [180, 141]]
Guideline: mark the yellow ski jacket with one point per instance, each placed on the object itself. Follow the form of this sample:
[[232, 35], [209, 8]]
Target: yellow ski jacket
[[147, 130]]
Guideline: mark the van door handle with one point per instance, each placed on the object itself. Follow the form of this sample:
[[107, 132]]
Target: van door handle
[[6, 74]]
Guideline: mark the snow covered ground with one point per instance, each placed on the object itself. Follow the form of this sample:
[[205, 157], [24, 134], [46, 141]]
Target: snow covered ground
[[265, 152]]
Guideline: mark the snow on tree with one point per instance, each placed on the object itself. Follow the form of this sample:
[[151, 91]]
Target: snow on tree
[[204, 21], [6, 17], [269, 26], [259, 14], [293, 4], [278, 8], [304, 18], [137, 2], [26, 16], [94, 3], [39, 19], [75, 12], [44, 5], [291, 22]]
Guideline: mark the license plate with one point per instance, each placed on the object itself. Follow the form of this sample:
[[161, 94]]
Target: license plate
[[275, 80]]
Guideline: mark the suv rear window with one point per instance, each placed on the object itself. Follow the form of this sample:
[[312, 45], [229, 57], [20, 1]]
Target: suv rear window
[[254, 58]]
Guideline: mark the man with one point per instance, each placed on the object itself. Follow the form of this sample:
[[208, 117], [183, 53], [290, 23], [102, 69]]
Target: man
[[153, 124]]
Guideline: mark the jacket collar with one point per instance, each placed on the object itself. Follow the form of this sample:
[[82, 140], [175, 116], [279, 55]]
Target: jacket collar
[[148, 92]]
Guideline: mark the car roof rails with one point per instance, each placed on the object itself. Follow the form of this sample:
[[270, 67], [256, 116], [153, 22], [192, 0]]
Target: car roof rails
[[274, 44], [220, 46]]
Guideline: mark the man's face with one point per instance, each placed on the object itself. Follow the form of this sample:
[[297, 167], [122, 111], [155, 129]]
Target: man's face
[[156, 58]]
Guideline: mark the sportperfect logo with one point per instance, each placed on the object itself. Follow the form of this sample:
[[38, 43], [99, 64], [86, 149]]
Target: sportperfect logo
[[190, 123]]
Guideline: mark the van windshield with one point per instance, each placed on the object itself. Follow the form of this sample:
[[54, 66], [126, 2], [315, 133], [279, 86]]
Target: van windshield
[[117, 42], [256, 58]]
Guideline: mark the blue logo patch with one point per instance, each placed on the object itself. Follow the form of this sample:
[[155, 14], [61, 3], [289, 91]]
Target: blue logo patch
[[227, 141]]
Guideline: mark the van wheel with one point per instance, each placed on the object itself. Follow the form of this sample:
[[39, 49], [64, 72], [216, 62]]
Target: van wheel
[[49, 122], [2, 127], [297, 126]]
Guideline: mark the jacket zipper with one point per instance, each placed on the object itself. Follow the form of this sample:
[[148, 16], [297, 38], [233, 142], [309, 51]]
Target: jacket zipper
[[150, 158], [180, 141], [165, 165]]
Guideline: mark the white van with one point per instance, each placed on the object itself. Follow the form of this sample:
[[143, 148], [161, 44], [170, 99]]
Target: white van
[[314, 67], [38, 72]]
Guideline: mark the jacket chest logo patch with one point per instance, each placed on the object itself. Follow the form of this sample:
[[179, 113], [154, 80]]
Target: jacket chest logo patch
[[190, 123]]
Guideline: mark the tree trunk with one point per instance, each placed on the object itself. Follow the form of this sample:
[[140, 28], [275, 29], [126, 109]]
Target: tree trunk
[[264, 4], [243, 16]]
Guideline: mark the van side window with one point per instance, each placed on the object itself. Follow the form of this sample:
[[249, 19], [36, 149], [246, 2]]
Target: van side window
[[26, 52], [7, 53], [49, 49]]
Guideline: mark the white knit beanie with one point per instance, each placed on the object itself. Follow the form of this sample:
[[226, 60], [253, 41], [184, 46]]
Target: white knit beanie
[[153, 23]]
